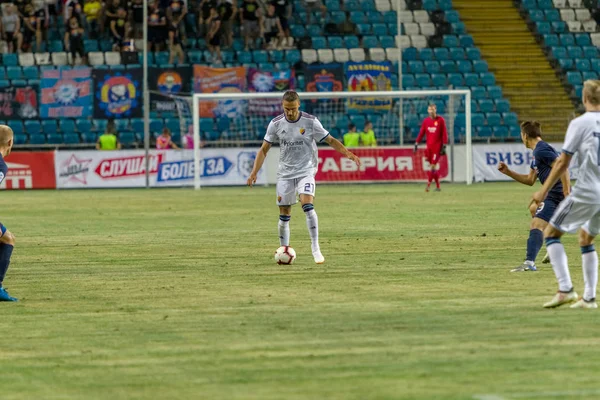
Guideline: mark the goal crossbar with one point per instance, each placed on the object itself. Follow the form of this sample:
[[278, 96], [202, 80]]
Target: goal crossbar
[[198, 97]]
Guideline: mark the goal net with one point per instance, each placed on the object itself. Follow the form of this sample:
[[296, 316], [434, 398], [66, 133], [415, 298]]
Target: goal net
[[239, 120]]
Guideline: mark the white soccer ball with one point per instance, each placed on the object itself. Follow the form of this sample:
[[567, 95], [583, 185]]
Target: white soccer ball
[[285, 255]]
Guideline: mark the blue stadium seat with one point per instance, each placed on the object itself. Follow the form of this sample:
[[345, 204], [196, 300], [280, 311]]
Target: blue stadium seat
[[237, 45], [455, 80], [137, 125], [575, 52], [10, 59], [484, 131], [358, 17], [590, 52], [477, 119], [227, 56], [464, 66], [16, 126], [195, 56], [161, 57], [380, 29], [529, 4], [500, 131], [536, 15], [99, 125], [545, 4], [432, 67], [83, 125], [342, 123], [430, 5], [459, 28], [487, 79], [293, 56], [282, 66], [423, 80], [2, 72], [486, 106], [587, 75], [31, 72], [452, 16], [20, 139], [266, 67], [457, 53], [352, 42], [448, 66], [502, 105], [543, 27], [480, 66], [583, 39], [566, 39], [66, 126], [314, 30], [551, 40], [122, 124], [582, 64], [156, 125], [566, 63], [559, 26], [370, 42], [514, 130], [337, 17], [300, 31], [393, 29], [261, 56], [387, 42], [510, 118], [244, 57], [574, 78], [494, 92], [54, 138], [552, 15], [358, 120], [127, 138], [88, 45], [364, 29], [13, 72], [4, 83], [416, 67], [318, 42], [596, 65], [389, 17], [335, 42], [450, 41], [445, 5], [478, 92], [33, 127], [37, 138], [466, 41], [408, 80], [493, 119], [473, 53], [49, 126], [71, 138], [441, 53], [89, 137], [439, 80], [426, 54]]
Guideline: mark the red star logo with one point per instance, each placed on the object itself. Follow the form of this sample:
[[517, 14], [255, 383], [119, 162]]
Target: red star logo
[[75, 169]]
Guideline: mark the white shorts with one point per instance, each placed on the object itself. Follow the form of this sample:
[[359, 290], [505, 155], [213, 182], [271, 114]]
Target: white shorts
[[572, 215], [288, 190]]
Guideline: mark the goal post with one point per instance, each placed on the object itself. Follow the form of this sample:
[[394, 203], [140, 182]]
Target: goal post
[[240, 119]]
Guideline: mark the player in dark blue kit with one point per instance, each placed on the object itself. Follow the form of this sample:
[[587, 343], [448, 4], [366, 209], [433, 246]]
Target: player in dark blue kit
[[544, 157], [7, 239]]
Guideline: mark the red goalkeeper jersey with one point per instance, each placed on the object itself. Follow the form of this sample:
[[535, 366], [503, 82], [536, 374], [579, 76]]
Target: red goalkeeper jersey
[[436, 132]]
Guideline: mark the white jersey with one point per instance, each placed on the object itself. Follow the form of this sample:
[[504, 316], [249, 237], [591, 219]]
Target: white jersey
[[298, 140], [583, 138]]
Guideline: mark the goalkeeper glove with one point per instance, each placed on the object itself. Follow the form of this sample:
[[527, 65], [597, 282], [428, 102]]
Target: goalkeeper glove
[[443, 151], [416, 147]]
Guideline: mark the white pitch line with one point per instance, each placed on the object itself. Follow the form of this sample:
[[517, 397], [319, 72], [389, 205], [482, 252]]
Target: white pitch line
[[528, 395]]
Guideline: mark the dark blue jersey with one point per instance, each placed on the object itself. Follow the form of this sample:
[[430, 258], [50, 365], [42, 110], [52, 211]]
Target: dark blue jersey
[[544, 156], [3, 168]]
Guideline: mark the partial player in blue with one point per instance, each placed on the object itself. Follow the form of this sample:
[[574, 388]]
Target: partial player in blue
[[544, 157], [7, 239]]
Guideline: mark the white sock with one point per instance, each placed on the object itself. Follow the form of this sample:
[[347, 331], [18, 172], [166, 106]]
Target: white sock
[[284, 230], [589, 261], [312, 223], [559, 261]]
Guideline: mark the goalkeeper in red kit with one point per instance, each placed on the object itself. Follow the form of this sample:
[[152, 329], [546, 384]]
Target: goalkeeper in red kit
[[434, 127]]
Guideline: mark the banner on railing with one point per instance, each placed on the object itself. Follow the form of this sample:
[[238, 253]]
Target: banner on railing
[[30, 170], [116, 169], [19, 102], [168, 82], [118, 93], [66, 93], [264, 82], [379, 164], [368, 76], [324, 77], [220, 80]]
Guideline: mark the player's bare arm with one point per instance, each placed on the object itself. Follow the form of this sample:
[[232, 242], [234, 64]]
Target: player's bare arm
[[258, 162], [340, 148], [528, 180], [561, 165]]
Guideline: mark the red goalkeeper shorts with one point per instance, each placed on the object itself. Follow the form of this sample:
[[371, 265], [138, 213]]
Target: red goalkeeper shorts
[[433, 156]]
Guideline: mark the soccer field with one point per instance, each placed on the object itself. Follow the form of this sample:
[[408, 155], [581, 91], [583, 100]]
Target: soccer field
[[144, 294]]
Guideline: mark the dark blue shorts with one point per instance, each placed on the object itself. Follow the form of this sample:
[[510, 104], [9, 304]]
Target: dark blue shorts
[[546, 209]]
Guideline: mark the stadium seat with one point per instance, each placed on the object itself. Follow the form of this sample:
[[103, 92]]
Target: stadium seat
[[473, 53], [89, 137], [16, 126], [370, 42], [54, 138], [510, 118], [26, 59], [464, 66], [552, 15], [49, 126], [582, 64], [477, 119], [583, 39], [408, 80], [480, 66], [300, 31], [410, 54], [545, 4], [99, 125], [567, 39], [37, 138], [543, 27], [452, 16], [33, 127], [335, 42], [127, 139], [309, 56], [318, 43], [341, 55], [261, 56], [484, 132], [358, 17], [559, 27], [379, 29], [14, 72], [416, 67], [493, 119], [536, 15], [587, 75], [590, 52], [137, 125], [432, 67], [450, 41], [494, 92], [71, 138], [157, 125], [387, 42], [423, 80], [574, 78], [502, 105], [426, 54], [551, 40], [558, 52], [441, 53], [31, 73], [478, 92], [10, 59], [376, 54], [487, 79], [66, 126], [455, 79], [500, 131], [83, 125], [486, 106], [114, 58], [457, 53], [466, 41], [448, 66], [439, 80], [293, 56], [459, 28], [325, 57]]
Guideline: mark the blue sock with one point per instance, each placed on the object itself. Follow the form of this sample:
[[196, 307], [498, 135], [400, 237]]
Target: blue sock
[[5, 253], [534, 244]]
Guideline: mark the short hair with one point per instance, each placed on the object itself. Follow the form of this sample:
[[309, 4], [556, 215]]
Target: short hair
[[351, 126], [591, 91], [6, 133], [290, 95], [531, 129]]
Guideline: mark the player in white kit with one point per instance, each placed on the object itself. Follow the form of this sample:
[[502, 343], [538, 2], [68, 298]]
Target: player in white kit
[[581, 209], [297, 133]]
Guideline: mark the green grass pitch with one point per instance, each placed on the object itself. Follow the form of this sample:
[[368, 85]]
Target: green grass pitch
[[174, 294]]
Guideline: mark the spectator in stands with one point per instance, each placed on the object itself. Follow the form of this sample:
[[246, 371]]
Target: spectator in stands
[[41, 11], [175, 44], [73, 8], [52, 6], [136, 12], [119, 29], [164, 142], [157, 25], [347, 27], [22, 8], [92, 9], [283, 9], [352, 137], [312, 6], [271, 30], [214, 35], [108, 140], [74, 40], [203, 16], [367, 137], [11, 29], [250, 20], [32, 31], [227, 12], [176, 13], [109, 13]]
